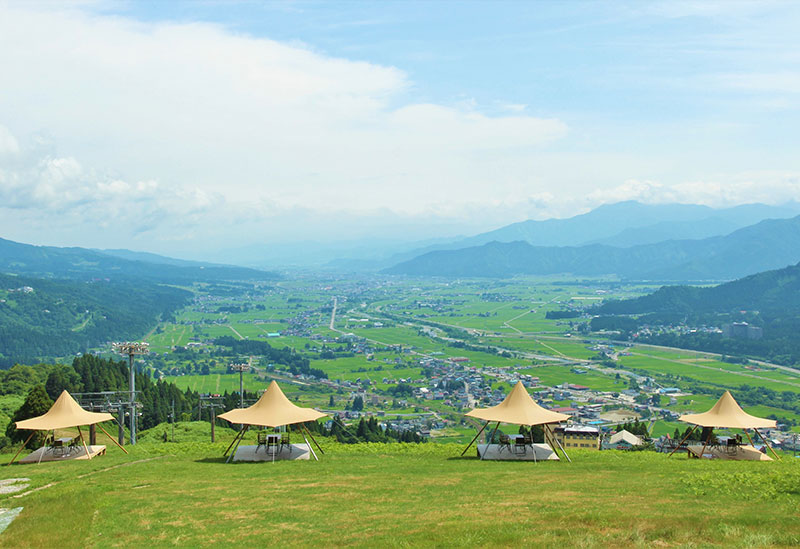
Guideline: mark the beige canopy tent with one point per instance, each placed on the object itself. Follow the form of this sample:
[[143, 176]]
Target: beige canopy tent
[[726, 413], [65, 413], [520, 409], [273, 409]]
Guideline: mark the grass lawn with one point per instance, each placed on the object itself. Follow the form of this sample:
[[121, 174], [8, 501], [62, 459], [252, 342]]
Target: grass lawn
[[402, 495]]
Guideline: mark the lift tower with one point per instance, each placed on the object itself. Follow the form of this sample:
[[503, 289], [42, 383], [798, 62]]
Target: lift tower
[[131, 349], [241, 368]]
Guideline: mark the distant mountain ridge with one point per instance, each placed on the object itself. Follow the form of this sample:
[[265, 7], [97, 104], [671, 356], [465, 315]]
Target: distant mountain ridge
[[770, 291], [629, 223], [768, 301], [148, 257], [623, 224], [766, 245], [82, 263]]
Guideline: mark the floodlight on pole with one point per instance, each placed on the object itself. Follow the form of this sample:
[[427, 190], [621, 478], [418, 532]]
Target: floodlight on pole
[[241, 368], [131, 349]]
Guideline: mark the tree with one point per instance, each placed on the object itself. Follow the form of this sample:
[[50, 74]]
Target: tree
[[62, 378], [36, 403], [358, 404], [331, 401]]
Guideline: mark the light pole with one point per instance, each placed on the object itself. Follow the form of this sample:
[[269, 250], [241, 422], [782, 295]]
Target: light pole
[[131, 349], [241, 368]]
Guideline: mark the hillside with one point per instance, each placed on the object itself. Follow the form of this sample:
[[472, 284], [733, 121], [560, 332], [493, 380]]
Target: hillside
[[768, 300], [767, 245], [367, 495], [84, 264], [772, 291], [49, 318], [156, 258]]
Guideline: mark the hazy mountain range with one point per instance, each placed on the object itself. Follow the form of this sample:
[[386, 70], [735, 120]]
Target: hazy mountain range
[[629, 239], [769, 244], [624, 224], [82, 263]]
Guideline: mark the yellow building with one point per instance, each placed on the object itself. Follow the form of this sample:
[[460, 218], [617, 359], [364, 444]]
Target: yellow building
[[578, 436]]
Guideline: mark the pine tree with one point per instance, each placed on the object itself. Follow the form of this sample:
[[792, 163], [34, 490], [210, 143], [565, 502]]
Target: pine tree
[[36, 403]]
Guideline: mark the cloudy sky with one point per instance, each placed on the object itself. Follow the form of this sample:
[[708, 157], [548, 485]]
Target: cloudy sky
[[181, 128]]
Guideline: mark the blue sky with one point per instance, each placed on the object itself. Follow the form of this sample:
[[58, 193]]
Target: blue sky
[[191, 123]]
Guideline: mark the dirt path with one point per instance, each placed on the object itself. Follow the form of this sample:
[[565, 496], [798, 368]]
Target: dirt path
[[79, 477]]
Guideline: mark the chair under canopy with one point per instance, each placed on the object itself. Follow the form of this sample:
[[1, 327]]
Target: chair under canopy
[[63, 414], [273, 409], [726, 413], [518, 408]]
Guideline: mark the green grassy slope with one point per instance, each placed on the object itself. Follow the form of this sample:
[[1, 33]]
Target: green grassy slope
[[403, 495]]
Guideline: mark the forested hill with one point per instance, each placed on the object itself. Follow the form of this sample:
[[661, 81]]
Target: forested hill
[[775, 291], [769, 301], [767, 245], [84, 264], [50, 318]]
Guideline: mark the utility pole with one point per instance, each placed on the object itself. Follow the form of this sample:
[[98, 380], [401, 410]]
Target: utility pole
[[131, 349], [241, 368], [212, 402]]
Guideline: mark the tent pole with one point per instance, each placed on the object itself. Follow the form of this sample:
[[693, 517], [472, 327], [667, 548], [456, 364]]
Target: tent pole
[[767, 443], [748, 438], [533, 448], [237, 444], [312, 438], [310, 449], [705, 443], [683, 440], [112, 438], [491, 438], [238, 435], [80, 434], [562, 448], [22, 447], [474, 439], [44, 448]]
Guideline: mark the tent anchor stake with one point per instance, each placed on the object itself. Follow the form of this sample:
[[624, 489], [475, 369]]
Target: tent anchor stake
[[309, 446], [237, 443], [708, 439], [53, 437], [112, 438], [22, 447], [312, 438], [562, 448], [238, 435], [491, 438], [80, 434], [774, 453], [474, 439], [683, 440]]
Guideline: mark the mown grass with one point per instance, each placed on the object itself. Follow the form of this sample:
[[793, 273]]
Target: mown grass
[[401, 496]]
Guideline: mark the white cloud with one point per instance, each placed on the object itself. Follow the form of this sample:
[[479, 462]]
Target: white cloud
[[8, 143], [249, 118], [189, 132]]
